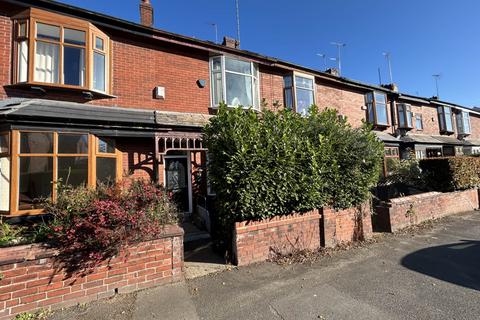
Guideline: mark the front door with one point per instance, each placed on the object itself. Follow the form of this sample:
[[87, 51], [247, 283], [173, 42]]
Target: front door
[[177, 181]]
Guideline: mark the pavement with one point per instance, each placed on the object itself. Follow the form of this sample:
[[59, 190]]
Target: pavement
[[430, 273]]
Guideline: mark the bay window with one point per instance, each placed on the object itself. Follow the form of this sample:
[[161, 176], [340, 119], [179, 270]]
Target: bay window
[[404, 115], [234, 82], [57, 51], [299, 92], [445, 119], [41, 160], [377, 111], [463, 123]]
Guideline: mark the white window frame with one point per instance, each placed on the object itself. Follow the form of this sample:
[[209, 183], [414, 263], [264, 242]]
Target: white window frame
[[443, 119], [255, 89], [419, 116], [373, 105], [404, 114], [462, 118], [294, 87]]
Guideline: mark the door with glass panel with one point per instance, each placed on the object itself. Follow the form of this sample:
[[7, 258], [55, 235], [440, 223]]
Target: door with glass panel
[[177, 175]]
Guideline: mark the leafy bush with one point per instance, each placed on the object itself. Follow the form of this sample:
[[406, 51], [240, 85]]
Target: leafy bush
[[22, 233], [276, 163], [449, 174], [405, 172], [10, 234], [91, 225]]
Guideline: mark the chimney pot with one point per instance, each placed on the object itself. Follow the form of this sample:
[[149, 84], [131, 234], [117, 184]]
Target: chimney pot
[[146, 13], [333, 72], [230, 42]]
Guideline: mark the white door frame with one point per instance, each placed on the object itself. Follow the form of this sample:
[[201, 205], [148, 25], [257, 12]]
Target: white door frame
[[189, 176]]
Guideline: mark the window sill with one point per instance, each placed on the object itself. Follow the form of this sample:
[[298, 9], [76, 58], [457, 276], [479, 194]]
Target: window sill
[[380, 126], [447, 133], [257, 109], [46, 88]]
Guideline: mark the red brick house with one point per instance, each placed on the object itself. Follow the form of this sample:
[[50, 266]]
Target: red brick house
[[86, 97]]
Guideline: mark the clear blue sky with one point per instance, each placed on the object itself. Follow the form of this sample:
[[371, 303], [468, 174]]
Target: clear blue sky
[[424, 37]]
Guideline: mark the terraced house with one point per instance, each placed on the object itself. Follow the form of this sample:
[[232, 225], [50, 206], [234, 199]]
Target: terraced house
[[86, 97]]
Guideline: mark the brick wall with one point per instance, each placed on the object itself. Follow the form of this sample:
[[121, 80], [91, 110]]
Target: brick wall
[[430, 119], [32, 281], [139, 67], [271, 86], [5, 52], [412, 210], [474, 126], [348, 102], [257, 241], [346, 225], [137, 156]]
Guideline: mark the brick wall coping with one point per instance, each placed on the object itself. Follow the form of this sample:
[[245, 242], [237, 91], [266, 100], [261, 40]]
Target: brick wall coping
[[35, 251], [422, 196], [246, 226]]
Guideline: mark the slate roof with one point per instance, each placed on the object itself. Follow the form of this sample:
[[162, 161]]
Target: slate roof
[[61, 111], [431, 139], [386, 137]]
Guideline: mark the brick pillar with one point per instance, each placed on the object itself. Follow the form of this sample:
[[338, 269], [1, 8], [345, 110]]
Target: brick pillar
[[329, 228]]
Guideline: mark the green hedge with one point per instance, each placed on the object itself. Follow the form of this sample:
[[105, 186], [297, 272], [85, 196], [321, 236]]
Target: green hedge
[[450, 174], [274, 163]]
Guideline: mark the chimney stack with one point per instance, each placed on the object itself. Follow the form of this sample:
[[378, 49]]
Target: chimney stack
[[146, 13], [230, 42]]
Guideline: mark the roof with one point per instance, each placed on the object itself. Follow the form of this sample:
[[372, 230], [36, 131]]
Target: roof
[[431, 139], [141, 30], [61, 111], [386, 137]]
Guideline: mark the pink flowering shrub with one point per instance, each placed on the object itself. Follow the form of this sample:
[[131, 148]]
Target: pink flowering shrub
[[93, 225]]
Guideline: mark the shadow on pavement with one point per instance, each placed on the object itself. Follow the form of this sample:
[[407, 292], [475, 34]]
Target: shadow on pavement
[[457, 263]]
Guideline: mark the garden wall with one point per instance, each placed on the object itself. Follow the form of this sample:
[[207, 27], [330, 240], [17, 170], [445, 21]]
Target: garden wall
[[256, 241], [411, 210], [32, 279], [347, 225]]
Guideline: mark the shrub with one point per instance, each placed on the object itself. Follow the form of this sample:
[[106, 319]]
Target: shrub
[[92, 225], [275, 163], [449, 174], [405, 172]]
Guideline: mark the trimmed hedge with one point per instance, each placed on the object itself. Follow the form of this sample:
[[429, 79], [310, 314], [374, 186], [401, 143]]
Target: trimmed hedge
[[451, 174], [267, 164]]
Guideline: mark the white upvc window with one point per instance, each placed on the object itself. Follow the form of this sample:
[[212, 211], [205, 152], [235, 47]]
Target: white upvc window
[[234, 82], [445, 118], [404, 115], [377, 110], [299, 92], [463, 122]]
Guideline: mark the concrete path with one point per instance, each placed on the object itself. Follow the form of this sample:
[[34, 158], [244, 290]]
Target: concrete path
[[431, 274]]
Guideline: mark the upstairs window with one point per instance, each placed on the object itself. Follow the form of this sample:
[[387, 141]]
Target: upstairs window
[[54, 50], [463, 123], [445, 119], [377, 108], [418, 121], [299, 92], [404, 115], [234, 82]]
